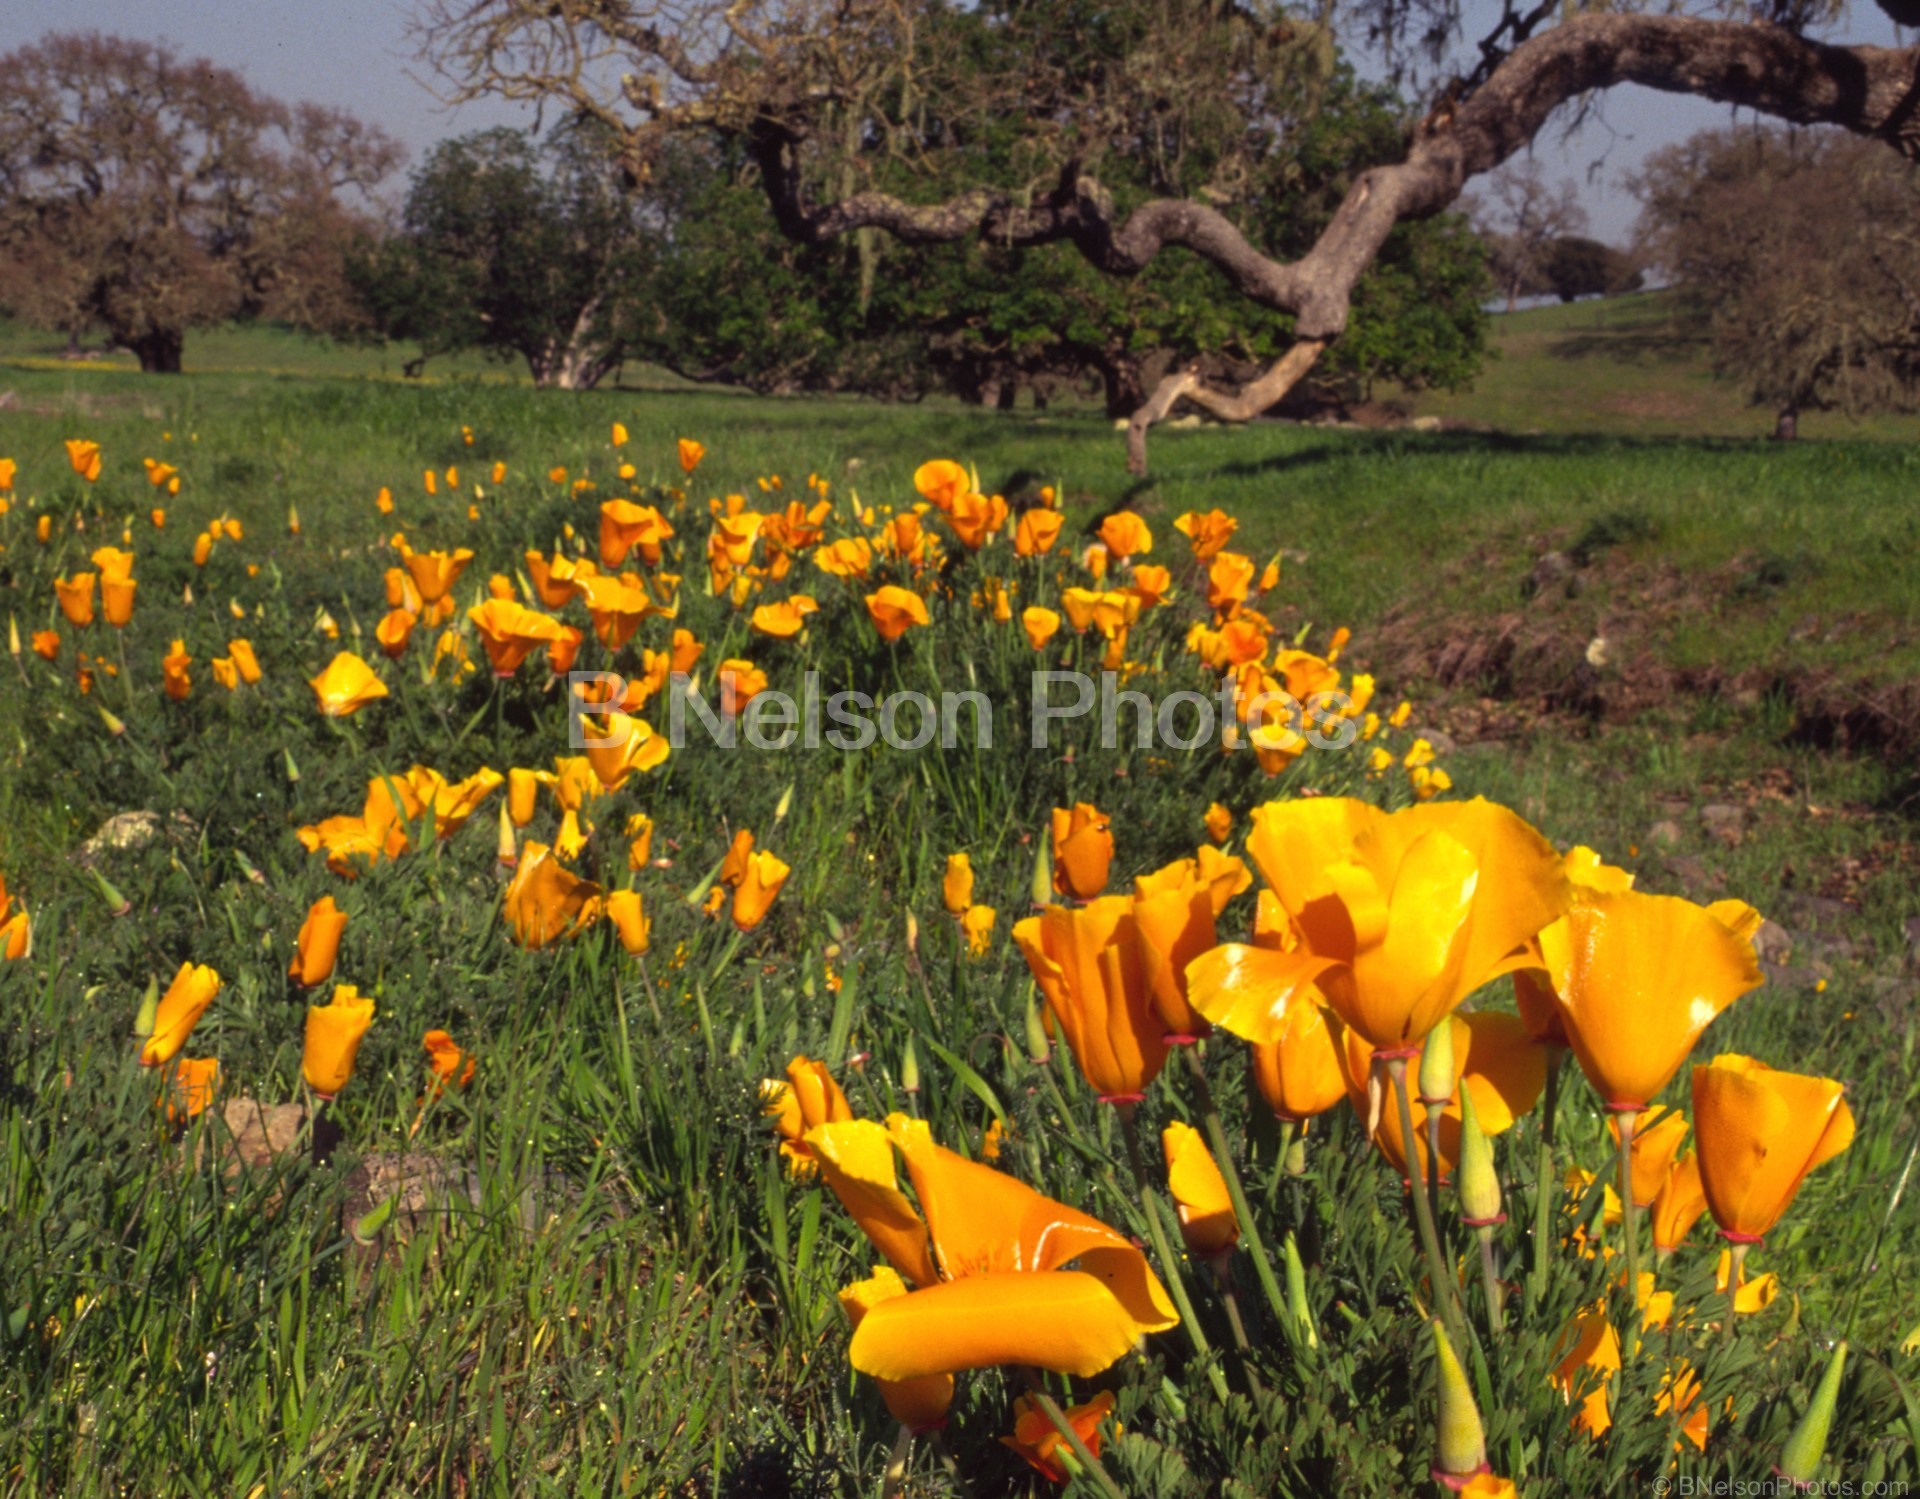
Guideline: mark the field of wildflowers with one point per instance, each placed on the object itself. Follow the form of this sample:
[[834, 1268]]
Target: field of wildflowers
[[426, 1072]]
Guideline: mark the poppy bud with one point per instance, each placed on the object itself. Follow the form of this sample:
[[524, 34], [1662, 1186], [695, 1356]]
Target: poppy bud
[[1479, 1181], [509, 855], [1297, 1307], [1800, 1458], [293, 771], [1461, 1449], [366, 1228], [114, 725], [1042, 889], [1436, 1067], [786, 803], [1039, 1048], [913, 934], [13, 636], [144, 1017], [116, 902], [910, 1069]]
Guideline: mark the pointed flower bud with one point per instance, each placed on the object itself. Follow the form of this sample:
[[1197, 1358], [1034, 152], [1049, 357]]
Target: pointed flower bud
[[1436, 1067], [116, 902], [1800, 1458], [114, 725], [1479, 1181], [149, 1011], [1043, 868], [1461, 1450], [1039, 1047], [910, 1069], [1297, 1307]]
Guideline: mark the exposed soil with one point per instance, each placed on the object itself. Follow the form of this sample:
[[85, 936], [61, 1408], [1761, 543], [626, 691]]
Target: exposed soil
[[1554, 654]]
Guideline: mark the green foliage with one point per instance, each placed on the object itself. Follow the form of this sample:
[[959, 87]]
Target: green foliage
[[740, 303], [525, 251], [622, 1291]]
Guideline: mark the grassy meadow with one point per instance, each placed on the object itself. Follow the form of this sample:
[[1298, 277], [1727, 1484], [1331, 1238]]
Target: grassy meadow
[[589, 1269]]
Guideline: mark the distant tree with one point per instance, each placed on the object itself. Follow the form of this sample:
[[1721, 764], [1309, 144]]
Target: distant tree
[[525, 249], [1521, 217], [147, 195], [1575, 266], [1798, 253]]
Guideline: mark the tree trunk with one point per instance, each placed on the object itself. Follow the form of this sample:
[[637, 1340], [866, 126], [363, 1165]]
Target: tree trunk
[[1008, 393], [158, 351], [1786, 423], [1121, 380]]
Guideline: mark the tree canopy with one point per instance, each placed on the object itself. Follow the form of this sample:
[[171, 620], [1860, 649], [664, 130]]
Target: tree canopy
[[521, 248], [1130, 127], [148, 195], [1798, 254]]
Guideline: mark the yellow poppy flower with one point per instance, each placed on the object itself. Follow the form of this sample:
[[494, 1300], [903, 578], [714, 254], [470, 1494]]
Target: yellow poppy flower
[[186, 1000], [346, 686], [318, 946], [334, 1033], [985, 1263], [1758, 1133]]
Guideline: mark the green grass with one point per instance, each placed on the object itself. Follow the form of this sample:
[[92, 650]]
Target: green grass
[[1620, 366], [621, 1292]]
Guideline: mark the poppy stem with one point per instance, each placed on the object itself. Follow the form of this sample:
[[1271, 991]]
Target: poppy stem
[[1868, 1260], [1223, 1157], [1545, 1188], [895, 1482], [1230, 1298], [1446, 1300], [1088, 1461], [958, 1479], [1430, 1176], [1625, 1122], [1490, 1274], [646, 982], [1157, 1231], [1736, 1263]]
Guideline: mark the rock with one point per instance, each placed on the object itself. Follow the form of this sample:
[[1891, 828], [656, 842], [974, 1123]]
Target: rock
[[1779, 977], [1663, 834], [1554, 567], [1724, 821], [1818, 912], [1441, 741], [1690, 872], [422, 1187], [1772, 943], [1426, 424], [259, 1134]]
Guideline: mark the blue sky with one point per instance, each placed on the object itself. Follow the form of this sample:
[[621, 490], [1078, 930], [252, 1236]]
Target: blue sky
[[356, 54]]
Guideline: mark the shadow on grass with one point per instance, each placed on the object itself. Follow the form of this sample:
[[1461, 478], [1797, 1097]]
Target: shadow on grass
[[1664, 349], [1440, 444]]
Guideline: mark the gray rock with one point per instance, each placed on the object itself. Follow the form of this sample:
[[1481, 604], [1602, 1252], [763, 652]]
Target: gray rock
[[1664, 834], [1773, 943], [1724, 821], [1554, 567], [1797, 976]]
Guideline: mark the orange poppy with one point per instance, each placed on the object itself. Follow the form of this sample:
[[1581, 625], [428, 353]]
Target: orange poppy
[[1087, 962]]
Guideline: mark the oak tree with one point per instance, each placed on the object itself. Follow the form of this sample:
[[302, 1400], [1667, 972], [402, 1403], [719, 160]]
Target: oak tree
[[523, 248], [833, 97], [148, 195], [1797, 254]]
